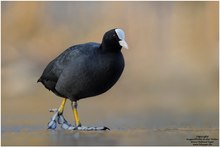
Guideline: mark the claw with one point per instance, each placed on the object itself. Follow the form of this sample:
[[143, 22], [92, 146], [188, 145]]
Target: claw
[[53, 110], [52, 124], [105, 128]]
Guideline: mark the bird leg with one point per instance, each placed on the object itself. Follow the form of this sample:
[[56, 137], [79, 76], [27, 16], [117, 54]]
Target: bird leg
[[75, 112], [58, 117], [61, 108], [78, 125]]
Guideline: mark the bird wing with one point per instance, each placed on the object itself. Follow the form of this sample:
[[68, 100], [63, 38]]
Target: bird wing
[[53, 70]]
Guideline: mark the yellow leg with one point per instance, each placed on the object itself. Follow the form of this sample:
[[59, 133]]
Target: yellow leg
[[74, 108], [61, 108]]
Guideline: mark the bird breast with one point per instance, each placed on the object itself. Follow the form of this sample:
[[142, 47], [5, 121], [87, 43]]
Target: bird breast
[[83, 79]]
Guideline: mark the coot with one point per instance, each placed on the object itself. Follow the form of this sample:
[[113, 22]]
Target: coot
[[83, 71]]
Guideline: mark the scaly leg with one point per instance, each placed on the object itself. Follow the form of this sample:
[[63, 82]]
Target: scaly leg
[[78, 125], [61, 108], [75, 112]]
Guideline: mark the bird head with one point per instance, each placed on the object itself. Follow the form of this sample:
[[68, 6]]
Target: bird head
[[114, 39]]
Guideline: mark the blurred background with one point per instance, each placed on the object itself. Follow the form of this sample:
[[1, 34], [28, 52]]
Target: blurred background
[[170, 78]]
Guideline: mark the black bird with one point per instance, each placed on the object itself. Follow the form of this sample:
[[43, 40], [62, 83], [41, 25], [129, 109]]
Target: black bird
[[83, 71]]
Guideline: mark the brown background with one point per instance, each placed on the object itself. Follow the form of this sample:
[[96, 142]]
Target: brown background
[[170, 78]]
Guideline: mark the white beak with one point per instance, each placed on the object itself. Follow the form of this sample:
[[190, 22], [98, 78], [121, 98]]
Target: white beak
[[123, 43]]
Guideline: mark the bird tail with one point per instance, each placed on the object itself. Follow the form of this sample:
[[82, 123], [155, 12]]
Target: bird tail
[[39, 80]]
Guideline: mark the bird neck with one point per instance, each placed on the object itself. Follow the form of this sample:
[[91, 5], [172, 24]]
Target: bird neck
[[110, 47]]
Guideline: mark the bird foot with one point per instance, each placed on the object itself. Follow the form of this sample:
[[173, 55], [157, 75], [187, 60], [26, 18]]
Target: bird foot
[[83, 128], [59, 118]]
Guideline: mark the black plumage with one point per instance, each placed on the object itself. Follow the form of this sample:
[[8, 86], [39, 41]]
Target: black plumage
[[86, 70]]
